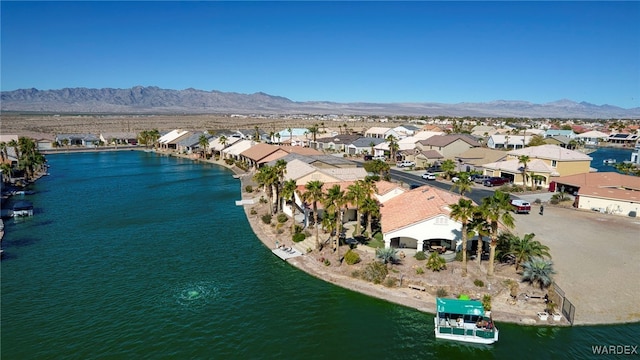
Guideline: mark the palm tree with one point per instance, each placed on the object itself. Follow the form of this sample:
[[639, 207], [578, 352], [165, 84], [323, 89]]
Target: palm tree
[[497, 208], [313, 130], [479, 225], [267, 178], [3, 152], [203, 142], [289, 194], [223, 141], [463, 185], [463, 212], [290, 136], [357, 193], [387, 255], [526, 248], [538, 270], [280, 169], [256, 136], [449, 167], [333, 201], [524, 160], [313, 193], [371, 209], [393, 146], [7, 172]]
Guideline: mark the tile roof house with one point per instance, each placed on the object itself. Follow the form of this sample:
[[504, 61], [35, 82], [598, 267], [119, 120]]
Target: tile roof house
[[568, 133], [168, 140], [623, 138], [608, 192], [336, 143], [380, 132], [477, 157], [234, 151], [119, 138], [592, 137], [427, 221], [85, 140], [363, 145], [259, 154], [303, 172], [448, 145], [506, 141], [561, 141], [545, 162]]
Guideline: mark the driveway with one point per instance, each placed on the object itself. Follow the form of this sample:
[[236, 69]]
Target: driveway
[[596, 258]]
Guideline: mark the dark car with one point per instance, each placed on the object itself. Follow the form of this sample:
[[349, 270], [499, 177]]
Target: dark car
[[480, 179], [434, 169], [496, 181], [368, 157]]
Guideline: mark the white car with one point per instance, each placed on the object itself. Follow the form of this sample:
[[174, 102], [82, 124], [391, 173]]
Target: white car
[[379, 157], [455, 179], [429, 176], [405, 163]]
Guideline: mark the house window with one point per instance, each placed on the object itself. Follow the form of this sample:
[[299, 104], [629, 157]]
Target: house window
[[554, 163], [441, 221]]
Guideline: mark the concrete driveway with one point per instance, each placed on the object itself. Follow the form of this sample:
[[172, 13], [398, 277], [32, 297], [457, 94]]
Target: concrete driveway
[[597, 259]]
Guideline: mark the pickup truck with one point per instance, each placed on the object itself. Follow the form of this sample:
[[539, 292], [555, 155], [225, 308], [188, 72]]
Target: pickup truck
[[521, 206], [405, 163], [496, 181]]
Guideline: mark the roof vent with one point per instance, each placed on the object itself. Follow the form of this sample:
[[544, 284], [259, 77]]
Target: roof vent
[[430, 197]]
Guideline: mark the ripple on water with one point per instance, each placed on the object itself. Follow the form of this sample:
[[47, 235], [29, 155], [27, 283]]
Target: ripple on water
[[195, 295]]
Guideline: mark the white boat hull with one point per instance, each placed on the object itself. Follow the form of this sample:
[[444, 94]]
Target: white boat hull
[[469, 338]]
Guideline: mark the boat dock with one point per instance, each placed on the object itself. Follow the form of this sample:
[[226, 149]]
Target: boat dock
[[286, 253]]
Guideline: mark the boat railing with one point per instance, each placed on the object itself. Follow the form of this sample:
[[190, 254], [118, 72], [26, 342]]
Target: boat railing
[[484, 333]]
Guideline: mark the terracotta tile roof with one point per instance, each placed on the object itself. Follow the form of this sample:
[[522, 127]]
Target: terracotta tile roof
[[479, 156], [301, 150], [297, 169], [415, 206], [384, 187], [552, 152], [601, 180], [344, 185], [259, 151], [514, 166], [444, 140], [431, 154]]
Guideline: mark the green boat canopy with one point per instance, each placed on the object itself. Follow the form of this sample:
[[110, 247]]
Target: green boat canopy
[[462, 307]]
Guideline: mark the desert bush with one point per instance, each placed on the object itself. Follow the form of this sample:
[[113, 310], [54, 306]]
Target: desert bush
[[441, 292], [229, 161], [537, 201], [375, 272], [486, 302], [253, 211], [327, 262], [356, 274], [458, 256], [419, 271], [436, 262], [351, 257], [263, 200], [282, 218], [248, 188], [420, 255], [390, 282], [297, 237], [266, 218], [279, 231], [478, 283]]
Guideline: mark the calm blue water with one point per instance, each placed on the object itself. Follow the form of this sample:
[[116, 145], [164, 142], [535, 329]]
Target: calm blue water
[[620, 155], [133, 255]]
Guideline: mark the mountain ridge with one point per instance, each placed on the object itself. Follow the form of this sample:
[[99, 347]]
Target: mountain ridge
[[153, 99]]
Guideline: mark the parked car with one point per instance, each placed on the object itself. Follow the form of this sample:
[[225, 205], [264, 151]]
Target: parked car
[[521, 206], [379, 157], [429, 176], [496, 181], [368, 157], [405, 163], [434, 169], [455, 179], [480, 179]]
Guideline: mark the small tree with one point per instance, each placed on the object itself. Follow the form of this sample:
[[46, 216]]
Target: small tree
[[436, 262], [538, 270], [387, 255]]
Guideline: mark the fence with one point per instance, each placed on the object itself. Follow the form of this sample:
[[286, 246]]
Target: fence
[[568, 309]]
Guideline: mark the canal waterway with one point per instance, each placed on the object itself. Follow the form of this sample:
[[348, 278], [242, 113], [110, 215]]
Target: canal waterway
[[135, 255]]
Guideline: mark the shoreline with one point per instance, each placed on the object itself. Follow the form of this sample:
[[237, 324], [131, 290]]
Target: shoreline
[[422, 301]]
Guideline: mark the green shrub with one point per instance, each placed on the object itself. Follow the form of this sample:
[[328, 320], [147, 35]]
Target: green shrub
[[228, 161], [298, 237], [419, 271], [436, 262], [297, 229], [263, 200], [442, 293], [458, 256], [356, 274], [486, 302], [266, 218], [554, 201], [327, 262], [248, 188], [375, 272], [282, 218], [351, 257], [253, 211], [478, 283]]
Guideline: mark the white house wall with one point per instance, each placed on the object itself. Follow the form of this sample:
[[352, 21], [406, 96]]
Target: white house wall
[[440, 227], [609, 206]]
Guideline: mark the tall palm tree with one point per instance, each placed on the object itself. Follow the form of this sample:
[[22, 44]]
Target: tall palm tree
[[289, 194], [281, 169], [497, 208], [393, 146], [333, 201], [463, 185], [371, 209], [313, 193], [524, 160], [3, 152], [203, 142], [538, 270], [256, 136], [267, 177], [356, 194], [7, 172], [290, 135], [463, 212], [525, 248], [313, 130], [223, 141], [479, 225]]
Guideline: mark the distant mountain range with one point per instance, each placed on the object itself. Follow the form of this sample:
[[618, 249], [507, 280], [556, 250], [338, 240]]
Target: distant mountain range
[[153, 99]]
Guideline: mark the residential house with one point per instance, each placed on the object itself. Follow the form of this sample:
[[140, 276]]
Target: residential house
[[336, 143], [593, 137], [448, 145], [234, 150], [295, 137], [505, 141], [607, 192], [562, 141], [623, 139], [119, 138], [82, 140], [406, 130], [363, 145], [190, 143], [545, 162], [635, 155], [475, 158], [552, 132], [216, 146], [168, 140], [428, 221], [381, 133]]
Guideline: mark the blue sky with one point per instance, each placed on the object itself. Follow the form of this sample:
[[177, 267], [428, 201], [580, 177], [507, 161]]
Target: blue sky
[[447, 52]]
